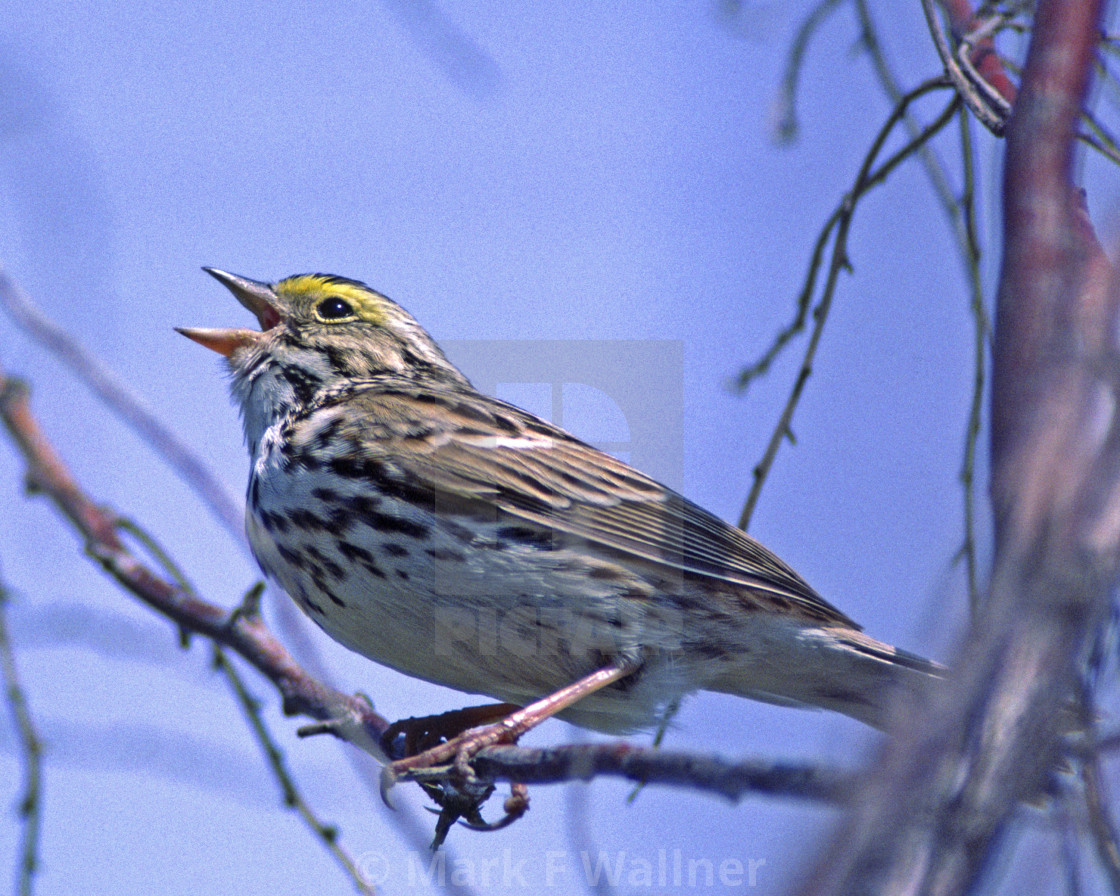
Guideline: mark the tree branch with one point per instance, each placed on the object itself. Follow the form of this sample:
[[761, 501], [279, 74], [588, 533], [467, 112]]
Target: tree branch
[[733, 780], [837, 228], [973, 66]]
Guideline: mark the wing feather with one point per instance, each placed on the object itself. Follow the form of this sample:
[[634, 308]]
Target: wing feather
[[480, 449]]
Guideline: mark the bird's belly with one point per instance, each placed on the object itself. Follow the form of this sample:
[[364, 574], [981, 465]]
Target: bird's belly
[[466, 604]]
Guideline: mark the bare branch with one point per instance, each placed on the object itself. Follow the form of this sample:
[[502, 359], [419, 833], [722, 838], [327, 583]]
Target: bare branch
[[836, 227], [981, 329], [328, 834], [989, 100], [979, 42], [786, 124], [732, 780], [963, 20]]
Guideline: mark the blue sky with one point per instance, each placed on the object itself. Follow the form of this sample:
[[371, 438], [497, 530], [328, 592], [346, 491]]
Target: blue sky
[[533, 173]]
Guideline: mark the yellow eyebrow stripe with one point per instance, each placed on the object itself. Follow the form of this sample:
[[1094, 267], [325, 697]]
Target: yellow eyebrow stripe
[[302, 284], [369, 304]]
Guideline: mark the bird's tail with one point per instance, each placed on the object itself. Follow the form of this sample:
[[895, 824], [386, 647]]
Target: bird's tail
[[835, 668]]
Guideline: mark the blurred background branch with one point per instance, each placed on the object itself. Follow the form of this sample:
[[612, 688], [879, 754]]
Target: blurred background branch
[[31, 748], [944, 791]]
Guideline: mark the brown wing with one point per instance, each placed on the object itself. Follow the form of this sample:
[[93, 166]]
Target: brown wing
[[479, 449]]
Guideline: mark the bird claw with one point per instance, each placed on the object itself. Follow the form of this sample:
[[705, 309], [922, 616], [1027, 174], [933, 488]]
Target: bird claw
[[464, 808], [385, 784], [516, 805], [446, 775], [444, 764], [444, 770]]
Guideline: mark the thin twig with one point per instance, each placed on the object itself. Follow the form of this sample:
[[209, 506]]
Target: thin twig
[[962, 19], [935, 169], [966, 51], [158, 553], [994, 119], [787, 96], [981, 330], [1107, 79], [293, 799], [840, 219], [1100, 139], [961, 214], [31, 750], [787, 129]]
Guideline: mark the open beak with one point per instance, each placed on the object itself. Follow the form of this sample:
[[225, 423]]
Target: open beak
[[257, 297]]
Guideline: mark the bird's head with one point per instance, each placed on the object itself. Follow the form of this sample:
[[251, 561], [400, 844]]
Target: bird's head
[[317, 332]]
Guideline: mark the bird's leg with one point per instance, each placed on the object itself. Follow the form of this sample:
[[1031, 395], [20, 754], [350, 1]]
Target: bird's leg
[[459, 750]]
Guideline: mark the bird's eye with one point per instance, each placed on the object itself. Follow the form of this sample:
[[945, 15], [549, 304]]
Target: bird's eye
[[334, 309]]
